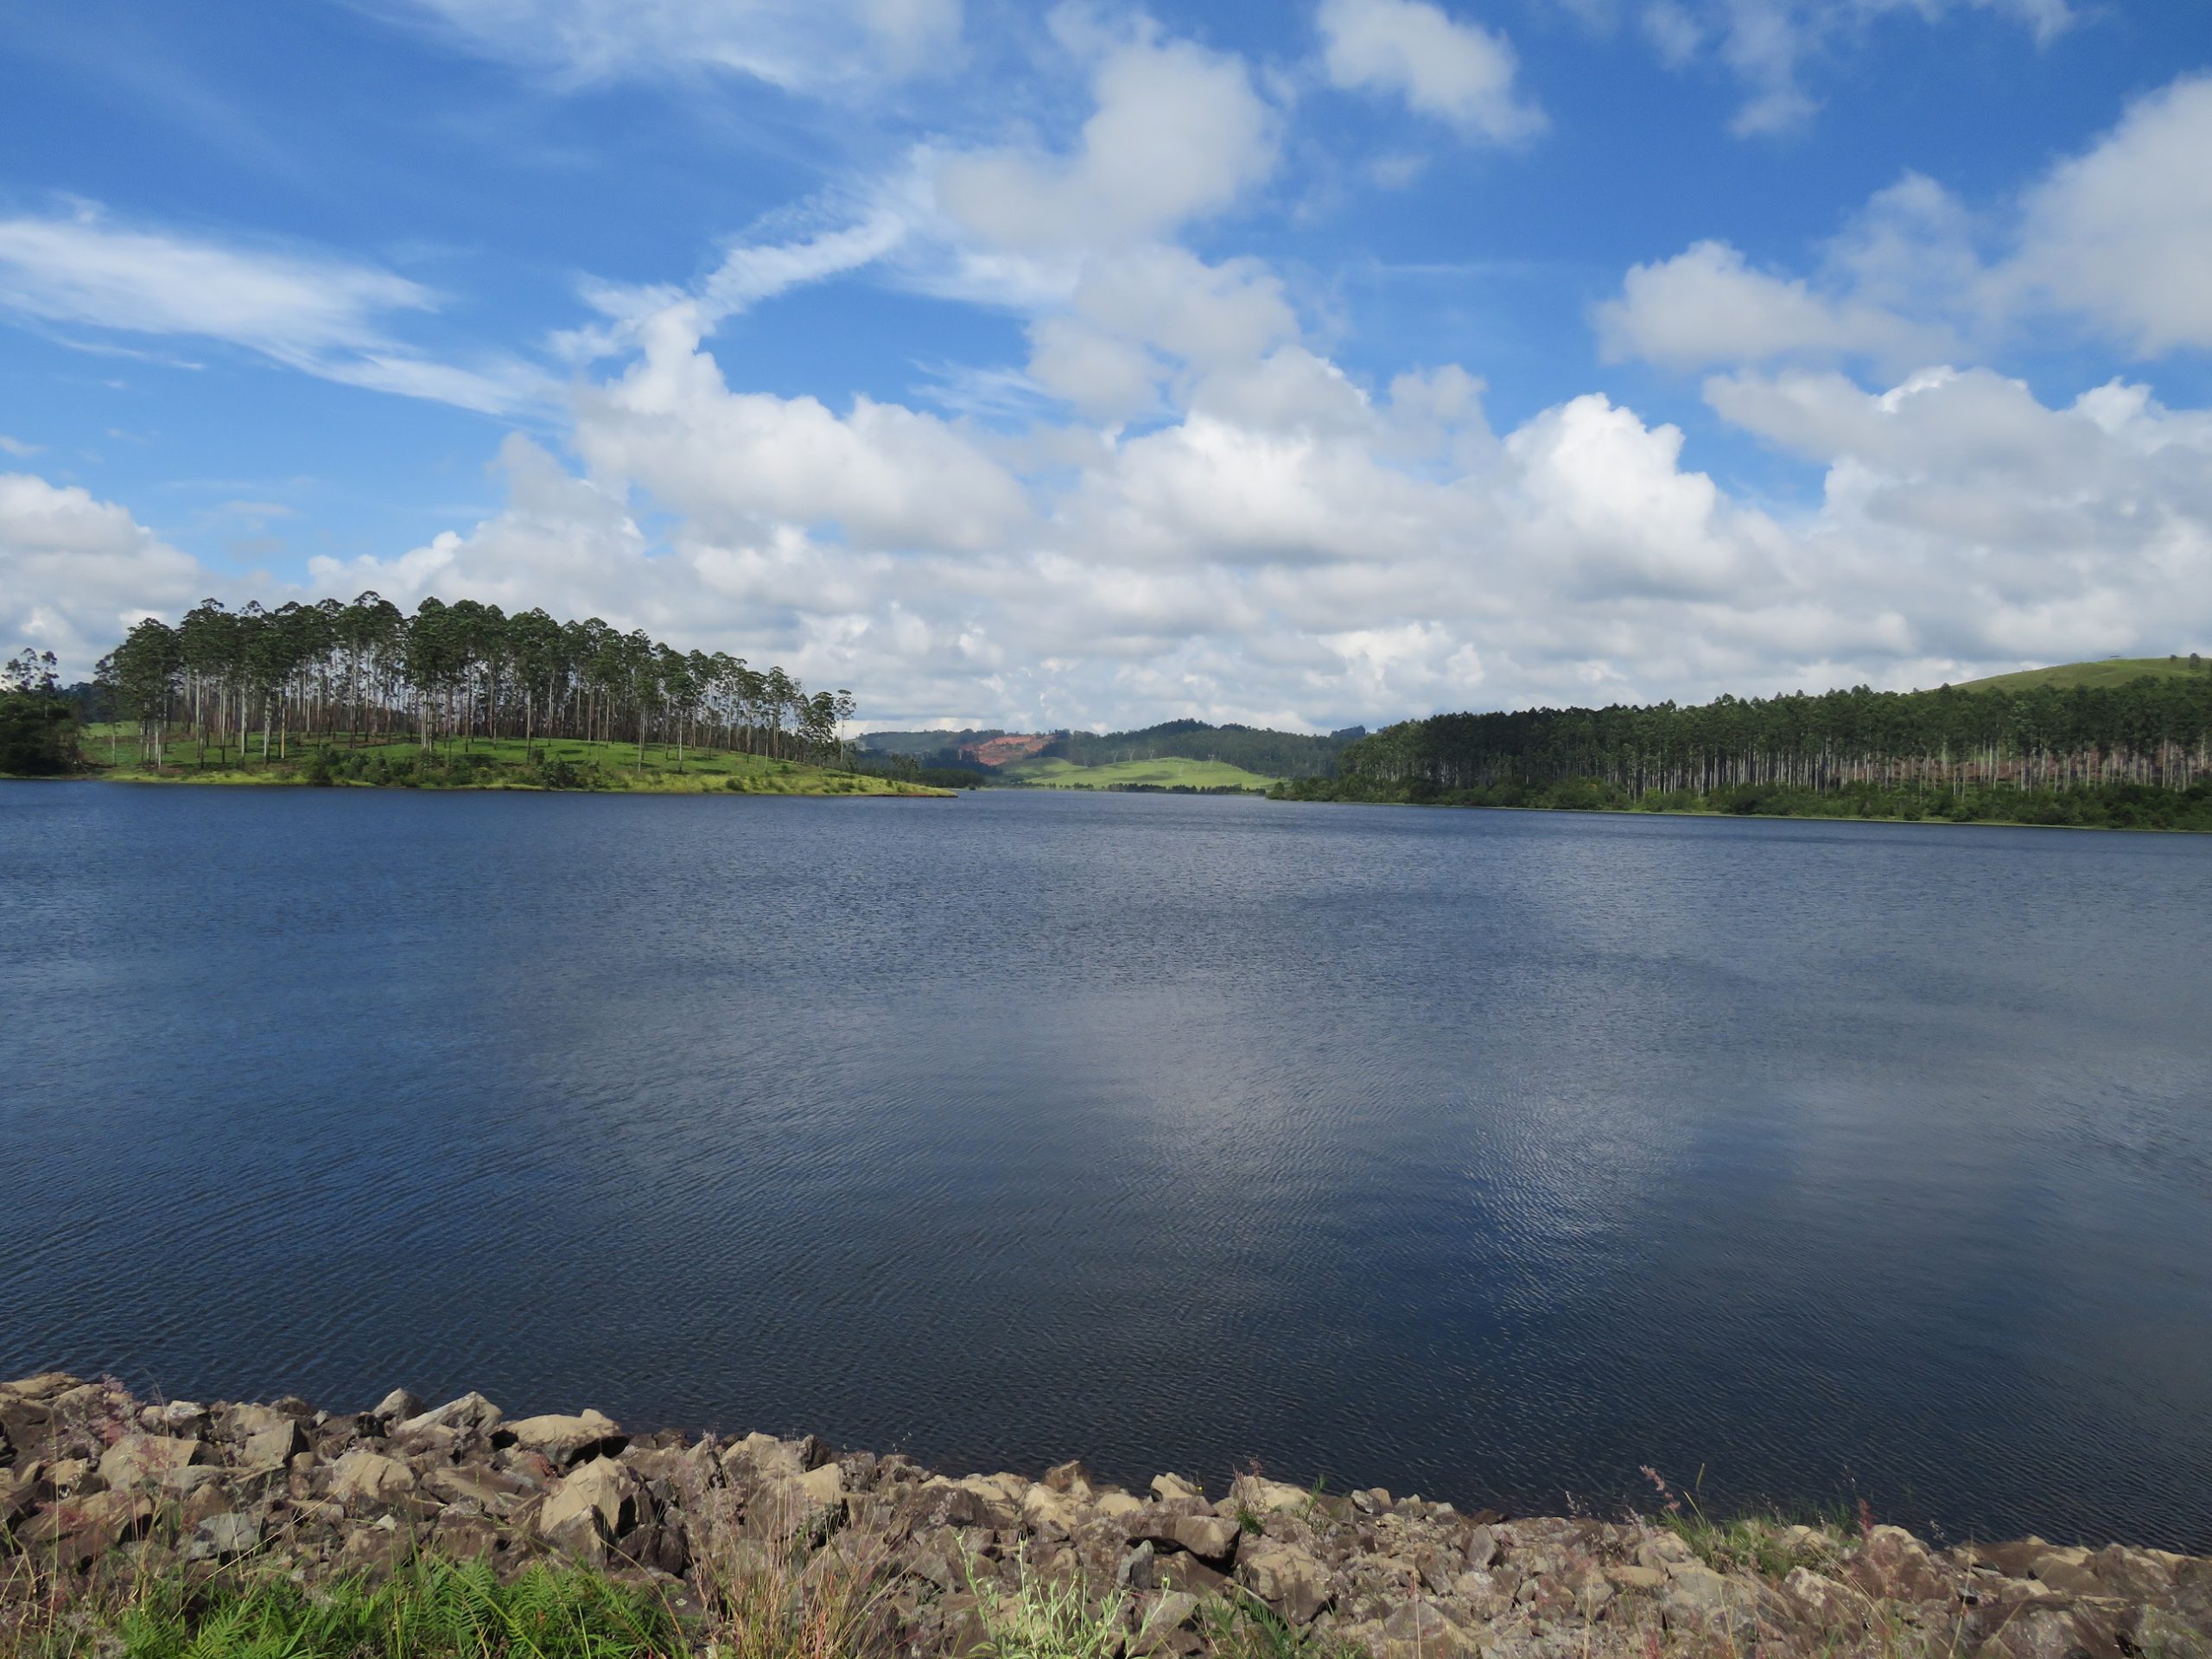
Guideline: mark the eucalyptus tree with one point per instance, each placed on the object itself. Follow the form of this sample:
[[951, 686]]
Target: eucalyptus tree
[[364, 670]]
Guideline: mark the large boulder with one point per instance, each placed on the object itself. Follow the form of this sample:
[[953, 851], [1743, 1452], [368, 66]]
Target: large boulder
[[591, 1507], [141, 1460], [564, 1441], [1288, 1579], [365, 1477]]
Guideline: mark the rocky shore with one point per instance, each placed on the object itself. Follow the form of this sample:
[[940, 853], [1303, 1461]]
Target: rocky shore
[[96, 1483]]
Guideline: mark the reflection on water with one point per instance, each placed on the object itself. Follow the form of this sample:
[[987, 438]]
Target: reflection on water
[[1489, 1155]]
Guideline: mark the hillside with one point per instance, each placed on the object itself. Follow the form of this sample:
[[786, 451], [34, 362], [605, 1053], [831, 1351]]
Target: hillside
[[1169, 773], [2108, 670], [1249, 757]]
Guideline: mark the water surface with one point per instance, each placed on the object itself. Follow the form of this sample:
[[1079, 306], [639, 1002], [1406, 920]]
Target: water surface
[[1488, 1155]]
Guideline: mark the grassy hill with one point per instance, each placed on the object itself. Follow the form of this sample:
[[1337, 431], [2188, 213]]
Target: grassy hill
[[2109, 670], [567, 764], [1169, 771]]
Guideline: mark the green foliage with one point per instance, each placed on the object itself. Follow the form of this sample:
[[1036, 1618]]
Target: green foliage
[[38, 723], [1241, 1626], [2110, 671], [1172, 774], [1243, 750], [432, 1609], [1047, 1616], [2130, 755], [345, 759]]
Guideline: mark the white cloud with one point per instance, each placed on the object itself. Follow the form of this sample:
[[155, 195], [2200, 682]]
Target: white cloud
[[2110, 242], [1708, 305], [1177, 132], [2123, 234], [884, 476], [314, 313], [1769, 44], [1456, 71], [76, 572], [17, 448], [803, 45]]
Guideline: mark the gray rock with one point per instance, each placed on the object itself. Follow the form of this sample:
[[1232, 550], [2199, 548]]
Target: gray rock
[[224, 1537]]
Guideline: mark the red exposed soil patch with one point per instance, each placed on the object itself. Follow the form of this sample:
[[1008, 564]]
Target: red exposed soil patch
[[1000, 751]]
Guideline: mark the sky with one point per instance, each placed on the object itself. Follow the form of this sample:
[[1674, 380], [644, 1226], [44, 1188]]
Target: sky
[[1297, 362]]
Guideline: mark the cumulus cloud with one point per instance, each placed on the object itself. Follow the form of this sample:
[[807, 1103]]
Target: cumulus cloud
[[2123, 234], [2108, 242], [1177, 132], [315, 313], [1709, 304], [801, 45], [76, 572], [1456, 71]]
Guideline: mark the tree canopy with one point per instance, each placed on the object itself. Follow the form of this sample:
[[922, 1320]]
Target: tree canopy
[[454, 672]]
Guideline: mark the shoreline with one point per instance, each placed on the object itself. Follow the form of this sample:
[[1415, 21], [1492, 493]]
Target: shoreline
[[99, 1487]]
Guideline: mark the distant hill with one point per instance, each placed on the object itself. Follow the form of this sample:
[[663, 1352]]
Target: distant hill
[[2108, 670], [1242, 751], [926, 743]]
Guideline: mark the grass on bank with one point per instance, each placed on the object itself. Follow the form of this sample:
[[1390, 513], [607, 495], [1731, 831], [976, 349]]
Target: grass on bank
[[430, 1608], [1167, 772], [484, 763], [766, 1596], [2110, 671]]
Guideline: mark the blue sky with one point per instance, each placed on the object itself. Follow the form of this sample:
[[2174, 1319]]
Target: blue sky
[[1293, 363]]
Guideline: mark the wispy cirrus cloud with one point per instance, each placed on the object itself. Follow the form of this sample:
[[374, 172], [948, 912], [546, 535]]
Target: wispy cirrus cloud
[[317, 313], [805, 46]]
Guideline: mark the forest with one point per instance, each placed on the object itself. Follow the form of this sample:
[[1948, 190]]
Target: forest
[[366, 672], [2140, 750], [1270, 753], [1253, 749]]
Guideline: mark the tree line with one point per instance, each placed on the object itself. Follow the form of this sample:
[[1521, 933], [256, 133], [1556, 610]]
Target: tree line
[[2155, 731], [1271, 753], [366, 672]]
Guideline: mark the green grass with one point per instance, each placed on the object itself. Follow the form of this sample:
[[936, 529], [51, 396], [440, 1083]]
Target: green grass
[[431, 1609], [1169, 771], [488, 763], [2110, 671]]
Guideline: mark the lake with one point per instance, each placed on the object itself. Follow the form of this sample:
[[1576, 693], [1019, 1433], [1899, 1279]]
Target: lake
[[1486, 1155]]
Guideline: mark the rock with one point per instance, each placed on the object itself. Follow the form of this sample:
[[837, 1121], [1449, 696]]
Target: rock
[[180, 1419], [470, 1415], [1636, 1578], [223, 1537], [1893, 1564], [490, 1491], [397, 1408], [1050, 1512], [1420, 1630], [242, 1423], [141, 1460], [1695, 1594], [1261, 1497], [824, 1488], [1831, 1605], [1161, 1620], [1070, 1479], [1168, 1488], [75, 1534], [1288, 1579], [1211, 1538], [269, 1449], [595, 1504], [567, 1440], [2048, 1631], [1116, 1506], [366, 1477], [1481, 1547]]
